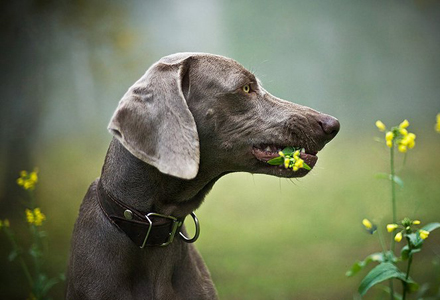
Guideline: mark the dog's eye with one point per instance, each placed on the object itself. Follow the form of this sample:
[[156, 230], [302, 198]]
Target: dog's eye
[[246, 88]]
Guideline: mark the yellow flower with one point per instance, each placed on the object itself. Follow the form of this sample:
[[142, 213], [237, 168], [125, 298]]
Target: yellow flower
[[39, 217], [367, 223], [29, 216], [6, 223], [392, 227], [398, 237], [292, 160], [389, 136], [381, 126], [437, 125], [399, 136], [407, 141], [416, 222], [404, 124], [28, 181], [411, 140], [299, 163], [404, 142], [35, 217], [402, 148], [423, 234], [28, 185], [403, 131], [33, 176], [286, 162], [370, 227]]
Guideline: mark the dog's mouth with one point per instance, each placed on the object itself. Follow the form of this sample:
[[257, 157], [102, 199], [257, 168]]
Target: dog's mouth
[[266, 152]]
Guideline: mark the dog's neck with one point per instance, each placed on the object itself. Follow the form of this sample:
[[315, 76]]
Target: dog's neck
[[143, 187]]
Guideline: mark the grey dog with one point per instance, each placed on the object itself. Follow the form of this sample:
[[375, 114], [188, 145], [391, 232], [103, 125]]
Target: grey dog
[[191, 119]]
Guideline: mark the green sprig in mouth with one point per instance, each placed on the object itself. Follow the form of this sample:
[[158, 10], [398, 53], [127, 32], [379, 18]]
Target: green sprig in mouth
[[290, 158]]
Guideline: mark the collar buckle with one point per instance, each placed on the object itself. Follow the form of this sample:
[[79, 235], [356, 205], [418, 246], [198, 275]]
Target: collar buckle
[[142, 228], [176, 225]]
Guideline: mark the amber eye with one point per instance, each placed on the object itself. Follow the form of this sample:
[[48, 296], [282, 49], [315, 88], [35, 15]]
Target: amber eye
[[246, 88]]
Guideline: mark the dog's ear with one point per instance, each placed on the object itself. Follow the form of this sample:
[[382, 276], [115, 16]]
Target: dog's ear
[[154, 123]]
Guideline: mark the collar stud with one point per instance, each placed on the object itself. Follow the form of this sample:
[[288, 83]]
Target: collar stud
[[128, 214]]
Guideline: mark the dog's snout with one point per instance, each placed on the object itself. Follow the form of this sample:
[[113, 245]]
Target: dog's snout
[[329, 125]]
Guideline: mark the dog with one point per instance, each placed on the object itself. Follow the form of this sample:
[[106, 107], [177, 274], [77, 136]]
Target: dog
[[189, 120]]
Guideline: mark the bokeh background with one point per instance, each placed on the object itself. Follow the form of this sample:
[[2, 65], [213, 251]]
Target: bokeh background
[[65, 65]]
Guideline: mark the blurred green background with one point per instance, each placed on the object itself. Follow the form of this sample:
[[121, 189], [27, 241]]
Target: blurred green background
[[65, 65]]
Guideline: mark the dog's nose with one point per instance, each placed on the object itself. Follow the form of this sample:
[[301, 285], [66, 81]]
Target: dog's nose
[[330, 126]]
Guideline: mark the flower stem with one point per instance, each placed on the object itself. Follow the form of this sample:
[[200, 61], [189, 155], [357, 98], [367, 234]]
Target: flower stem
[[393, 193], [33, 201], [36, 249], [26, 271], [393, 201], [382, 243], [391, 289], [407, 270], [407, 276]]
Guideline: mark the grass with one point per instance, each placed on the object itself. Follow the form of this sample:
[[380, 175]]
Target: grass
[[269, 238]]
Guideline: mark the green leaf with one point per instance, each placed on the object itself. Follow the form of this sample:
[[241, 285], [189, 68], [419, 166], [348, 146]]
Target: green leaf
[[390, 257], [35, 251], [39, 282], [431, 226], [415, 240], [384, 271], [382, 176], [359, 265], [48, 284], [307, 167], [13, 255], [406, 253], [397, 179], [276, 161], [42, 234], [288, 150]]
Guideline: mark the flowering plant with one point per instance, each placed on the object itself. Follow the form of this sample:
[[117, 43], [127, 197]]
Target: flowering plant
[[290, 158], [398, 135], [39, 282], [406, 229]]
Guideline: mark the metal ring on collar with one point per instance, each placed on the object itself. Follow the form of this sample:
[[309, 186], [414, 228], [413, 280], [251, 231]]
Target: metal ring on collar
[[196, 235]]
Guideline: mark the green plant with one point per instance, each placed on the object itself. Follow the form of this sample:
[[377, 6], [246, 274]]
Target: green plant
[[39, 282], [290, 158], [407, 229]]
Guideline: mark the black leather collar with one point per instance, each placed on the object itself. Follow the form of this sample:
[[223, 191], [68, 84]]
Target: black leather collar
[[144, 229]]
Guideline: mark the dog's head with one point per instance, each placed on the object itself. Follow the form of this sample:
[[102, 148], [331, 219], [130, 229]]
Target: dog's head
[[194, 110]]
